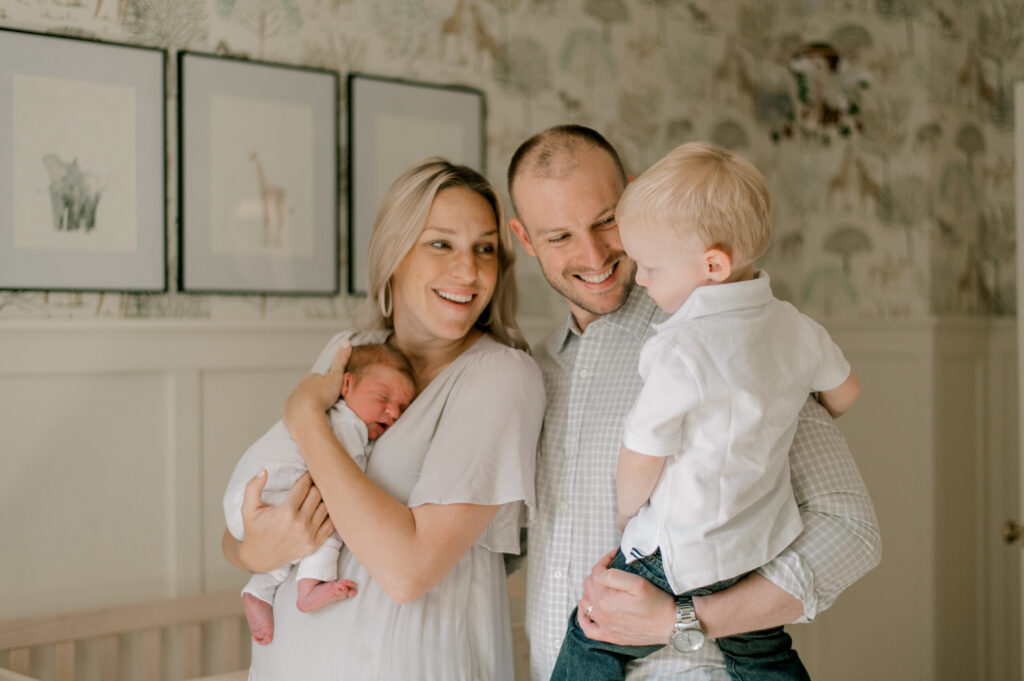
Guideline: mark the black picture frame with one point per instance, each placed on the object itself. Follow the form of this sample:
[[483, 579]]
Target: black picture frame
[[391, 124], [258, 182], [83, 122]]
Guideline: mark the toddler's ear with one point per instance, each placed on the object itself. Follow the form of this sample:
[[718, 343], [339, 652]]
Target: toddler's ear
[[718, 265]]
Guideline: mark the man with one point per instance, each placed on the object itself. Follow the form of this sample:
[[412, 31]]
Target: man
[[564, 184]]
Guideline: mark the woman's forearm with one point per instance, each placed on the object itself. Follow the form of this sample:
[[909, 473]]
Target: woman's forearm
[[406, 550]]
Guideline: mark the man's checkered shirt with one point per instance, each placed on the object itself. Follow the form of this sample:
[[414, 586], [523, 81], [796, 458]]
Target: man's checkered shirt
[[591, 380]]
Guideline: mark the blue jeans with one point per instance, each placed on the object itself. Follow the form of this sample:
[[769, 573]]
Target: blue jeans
[[765, 655]]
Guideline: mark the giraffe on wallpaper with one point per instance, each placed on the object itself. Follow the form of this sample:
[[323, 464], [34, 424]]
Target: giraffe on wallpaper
[[853, 175], [485, 42], [273, 199], [451, 29], [122, 9]]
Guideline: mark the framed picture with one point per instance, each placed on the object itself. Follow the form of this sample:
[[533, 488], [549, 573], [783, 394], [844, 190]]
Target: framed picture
[[258, 183], [391, 125], [83, 176]]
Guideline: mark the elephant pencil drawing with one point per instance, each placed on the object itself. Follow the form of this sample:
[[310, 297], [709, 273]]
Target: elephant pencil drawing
[[74, 194]]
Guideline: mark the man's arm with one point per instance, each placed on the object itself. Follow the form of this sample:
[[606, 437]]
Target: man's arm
[[839, 544], [840, 541]]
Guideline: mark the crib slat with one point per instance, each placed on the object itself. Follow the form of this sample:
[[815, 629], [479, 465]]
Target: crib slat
[[33, 631], [191, 650], [150, 651], [64, 661], [108, 658], [230, 631], [8, 675], [18, 661]]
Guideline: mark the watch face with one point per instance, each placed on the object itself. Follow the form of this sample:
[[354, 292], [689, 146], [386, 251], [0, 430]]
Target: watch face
[[687, 640]]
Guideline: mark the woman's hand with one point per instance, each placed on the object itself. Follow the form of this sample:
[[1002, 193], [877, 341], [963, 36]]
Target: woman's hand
[[315, 393], [627, 609], [276, 535]]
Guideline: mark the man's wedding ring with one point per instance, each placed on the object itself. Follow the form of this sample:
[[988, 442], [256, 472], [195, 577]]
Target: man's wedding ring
[[590, 608]]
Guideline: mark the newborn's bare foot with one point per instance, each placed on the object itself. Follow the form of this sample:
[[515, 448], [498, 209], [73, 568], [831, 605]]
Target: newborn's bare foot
[[261, 618], [314, 594]]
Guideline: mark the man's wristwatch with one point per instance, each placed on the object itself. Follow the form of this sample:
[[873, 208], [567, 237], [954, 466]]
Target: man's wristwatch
[[687, 636]]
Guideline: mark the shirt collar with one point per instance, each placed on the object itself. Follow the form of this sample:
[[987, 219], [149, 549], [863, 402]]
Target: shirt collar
[[634, 318], [717, 298]]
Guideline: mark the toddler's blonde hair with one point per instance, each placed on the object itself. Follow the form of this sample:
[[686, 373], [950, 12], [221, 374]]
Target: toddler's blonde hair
[[701, 189]]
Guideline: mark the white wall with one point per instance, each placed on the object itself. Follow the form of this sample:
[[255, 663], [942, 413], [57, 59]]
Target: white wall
[[117, 439], [935, 436]]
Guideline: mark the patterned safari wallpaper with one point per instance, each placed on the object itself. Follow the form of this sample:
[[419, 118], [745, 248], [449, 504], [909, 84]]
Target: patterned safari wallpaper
[[885, 127]]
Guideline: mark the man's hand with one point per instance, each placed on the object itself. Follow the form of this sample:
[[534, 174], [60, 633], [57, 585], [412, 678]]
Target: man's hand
[[627, 609], [276, 535]]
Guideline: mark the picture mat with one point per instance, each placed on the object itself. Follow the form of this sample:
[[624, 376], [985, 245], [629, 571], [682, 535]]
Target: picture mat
[[236, 210], [268, 88], [49, 114], [393, 125], [85, 265]]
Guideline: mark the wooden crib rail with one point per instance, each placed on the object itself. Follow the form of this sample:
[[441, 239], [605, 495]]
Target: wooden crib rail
[[163, 640]]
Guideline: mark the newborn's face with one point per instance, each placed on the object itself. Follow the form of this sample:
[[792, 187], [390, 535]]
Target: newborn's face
[[380, 397]]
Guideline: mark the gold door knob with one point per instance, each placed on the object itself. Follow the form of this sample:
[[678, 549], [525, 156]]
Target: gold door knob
[[1013, 532]]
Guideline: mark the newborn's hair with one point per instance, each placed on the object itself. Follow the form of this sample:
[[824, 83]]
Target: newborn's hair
[[365, 356]]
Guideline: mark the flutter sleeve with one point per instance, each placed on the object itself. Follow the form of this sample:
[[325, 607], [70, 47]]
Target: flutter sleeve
[[485, 443]]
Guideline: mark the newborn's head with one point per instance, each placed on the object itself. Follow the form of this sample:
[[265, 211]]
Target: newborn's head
[[378, 386]]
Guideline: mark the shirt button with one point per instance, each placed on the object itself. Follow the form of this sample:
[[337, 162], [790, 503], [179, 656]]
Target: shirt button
[[563, 506], [583, 373], [558, 574]]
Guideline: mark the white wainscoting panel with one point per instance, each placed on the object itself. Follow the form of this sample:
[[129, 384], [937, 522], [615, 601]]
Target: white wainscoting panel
[[116, 441], [117, 438]]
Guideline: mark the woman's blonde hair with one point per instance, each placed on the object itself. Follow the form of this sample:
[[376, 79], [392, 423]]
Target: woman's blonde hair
[[702, 189], [400, 220]]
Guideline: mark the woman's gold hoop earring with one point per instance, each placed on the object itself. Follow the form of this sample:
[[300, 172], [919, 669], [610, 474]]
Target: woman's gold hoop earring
[[386, 302]]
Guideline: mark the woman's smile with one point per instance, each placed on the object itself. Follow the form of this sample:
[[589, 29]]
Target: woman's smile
[[444, 284]]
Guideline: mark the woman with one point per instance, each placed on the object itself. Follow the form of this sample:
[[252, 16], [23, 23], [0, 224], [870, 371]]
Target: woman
[[448, 485]]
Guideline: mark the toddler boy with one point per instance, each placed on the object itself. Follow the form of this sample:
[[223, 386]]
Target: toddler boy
[[703, 479]]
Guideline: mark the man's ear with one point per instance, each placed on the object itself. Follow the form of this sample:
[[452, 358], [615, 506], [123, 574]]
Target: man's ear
[[520, 232], [717, 265], [346, 383]]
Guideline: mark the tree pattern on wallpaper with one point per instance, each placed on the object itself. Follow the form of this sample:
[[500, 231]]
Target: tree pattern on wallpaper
[[883, 126]]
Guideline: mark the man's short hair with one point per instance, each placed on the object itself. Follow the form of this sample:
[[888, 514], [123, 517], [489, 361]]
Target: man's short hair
[[552, 153], [702, 189]]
